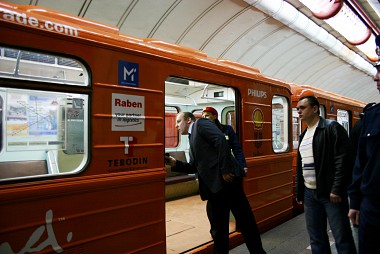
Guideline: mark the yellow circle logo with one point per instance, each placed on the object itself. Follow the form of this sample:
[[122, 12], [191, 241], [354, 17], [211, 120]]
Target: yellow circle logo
[[258, 119]]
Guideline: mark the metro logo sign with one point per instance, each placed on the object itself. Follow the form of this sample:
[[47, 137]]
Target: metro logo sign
[[128, 74]]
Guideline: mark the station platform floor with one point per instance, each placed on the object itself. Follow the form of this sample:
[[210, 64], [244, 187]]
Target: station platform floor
[[187, 226], [290, 237]]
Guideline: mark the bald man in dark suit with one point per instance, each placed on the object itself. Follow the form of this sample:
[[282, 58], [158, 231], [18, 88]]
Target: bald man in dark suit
[[220, 182]]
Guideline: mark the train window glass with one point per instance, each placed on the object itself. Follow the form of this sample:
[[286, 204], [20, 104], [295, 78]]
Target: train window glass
[[44, 133], [280, 132], [343, 118], [296, 123], [226, 115], [27, 65], [171, 133], [229, 118], [1, 124], [322, 110], [197, 113]]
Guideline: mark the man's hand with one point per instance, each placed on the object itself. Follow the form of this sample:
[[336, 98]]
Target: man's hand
[[229, 177], [169, 160], [354, 216], [335, 198]]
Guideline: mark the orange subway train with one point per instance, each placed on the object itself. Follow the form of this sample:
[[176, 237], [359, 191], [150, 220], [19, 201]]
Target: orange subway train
[[87, 115]]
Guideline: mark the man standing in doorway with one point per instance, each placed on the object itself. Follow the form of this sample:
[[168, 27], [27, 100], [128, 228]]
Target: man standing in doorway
[[220, 181], [324, 166]]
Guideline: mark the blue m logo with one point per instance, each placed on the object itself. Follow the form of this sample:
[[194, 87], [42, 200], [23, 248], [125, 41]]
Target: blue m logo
[[128, 74]]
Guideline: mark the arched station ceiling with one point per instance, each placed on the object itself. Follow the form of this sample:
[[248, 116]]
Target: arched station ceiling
[[245, 31]]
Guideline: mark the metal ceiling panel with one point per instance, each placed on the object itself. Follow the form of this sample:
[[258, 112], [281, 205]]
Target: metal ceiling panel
[[209, 23], [144, 17], [110, 14], [70, 6], [175, 26]]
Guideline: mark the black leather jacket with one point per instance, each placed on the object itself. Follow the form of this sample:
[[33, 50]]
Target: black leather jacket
[[333, 160]]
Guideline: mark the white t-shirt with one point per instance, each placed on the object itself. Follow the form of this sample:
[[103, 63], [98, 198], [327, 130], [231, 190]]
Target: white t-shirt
[[306, 151]]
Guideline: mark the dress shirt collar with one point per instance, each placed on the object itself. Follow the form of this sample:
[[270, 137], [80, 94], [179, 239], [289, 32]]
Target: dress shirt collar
[[190, 128]]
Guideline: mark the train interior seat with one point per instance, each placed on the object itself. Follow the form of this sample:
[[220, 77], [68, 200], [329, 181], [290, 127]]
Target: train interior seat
[[13, 169], [179, 185]]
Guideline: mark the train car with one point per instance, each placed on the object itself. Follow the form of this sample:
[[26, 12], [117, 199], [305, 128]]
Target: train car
[[86, 116], [344, 110]]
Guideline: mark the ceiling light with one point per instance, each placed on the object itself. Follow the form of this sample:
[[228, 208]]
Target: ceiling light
[[340, 17], [368, 49], [348, 24], [323, 9], [292, 17]]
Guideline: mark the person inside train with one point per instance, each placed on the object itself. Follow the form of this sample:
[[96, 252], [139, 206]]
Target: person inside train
[[220, 181], [364, 192], [212, 114], [324, 166]]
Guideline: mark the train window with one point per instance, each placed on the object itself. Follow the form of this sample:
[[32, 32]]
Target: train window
[[297, 128], [322, 111], [171, 133], [343, 118], [197, 113], [229, 118], [1, 124], [227, 115], [280, 132], [43, 133], [26, 65]]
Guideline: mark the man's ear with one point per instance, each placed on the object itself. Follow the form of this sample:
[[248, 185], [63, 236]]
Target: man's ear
[[315, 109]]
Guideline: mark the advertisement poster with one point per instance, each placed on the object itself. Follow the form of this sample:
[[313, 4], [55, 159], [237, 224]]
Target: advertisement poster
[[42, 116], [17, 118], [31, 115], [128, 112], [32, 121]]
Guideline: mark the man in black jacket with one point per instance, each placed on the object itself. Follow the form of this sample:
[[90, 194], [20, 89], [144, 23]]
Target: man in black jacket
[[324, 166], [220, 181]]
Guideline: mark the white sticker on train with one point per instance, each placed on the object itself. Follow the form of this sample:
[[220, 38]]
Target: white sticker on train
[[22, 18], [128, 112], [257, 93], [35, 244]]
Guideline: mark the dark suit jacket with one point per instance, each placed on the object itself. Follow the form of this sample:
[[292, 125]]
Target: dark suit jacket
[[210, 157]]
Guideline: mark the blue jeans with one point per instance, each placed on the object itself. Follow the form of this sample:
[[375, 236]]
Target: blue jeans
[[317, 211]]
